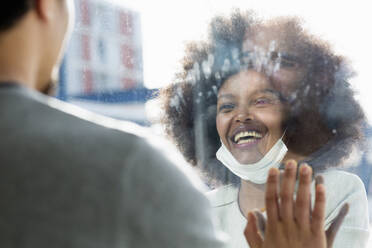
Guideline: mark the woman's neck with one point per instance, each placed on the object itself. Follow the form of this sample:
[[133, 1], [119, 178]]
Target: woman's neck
[[251, 196]]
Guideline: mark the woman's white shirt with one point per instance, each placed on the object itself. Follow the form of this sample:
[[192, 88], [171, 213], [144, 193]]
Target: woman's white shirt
[[341, 187]]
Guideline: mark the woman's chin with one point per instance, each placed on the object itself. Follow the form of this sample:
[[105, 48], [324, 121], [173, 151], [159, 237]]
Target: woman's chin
[[247, 156], [247, 161]]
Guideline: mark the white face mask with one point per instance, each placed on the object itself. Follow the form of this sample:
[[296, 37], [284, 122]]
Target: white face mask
[[256, 172]]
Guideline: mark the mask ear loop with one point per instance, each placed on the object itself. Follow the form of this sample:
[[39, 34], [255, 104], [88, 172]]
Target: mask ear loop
[[281, 166], [285, 130]]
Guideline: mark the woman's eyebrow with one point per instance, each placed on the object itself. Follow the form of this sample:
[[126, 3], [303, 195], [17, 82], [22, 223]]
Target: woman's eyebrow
[[274, 93], [271, 91], [225, 96]]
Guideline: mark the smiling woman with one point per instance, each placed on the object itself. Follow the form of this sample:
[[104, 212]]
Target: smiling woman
[[249, 116], [258, 93]]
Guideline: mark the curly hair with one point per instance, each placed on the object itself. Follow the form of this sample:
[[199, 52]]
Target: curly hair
[[324, 93]]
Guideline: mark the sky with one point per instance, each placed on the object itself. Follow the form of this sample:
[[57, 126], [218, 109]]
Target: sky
[[168, 24]]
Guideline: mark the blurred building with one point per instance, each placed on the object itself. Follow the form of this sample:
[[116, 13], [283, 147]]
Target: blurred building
[[103, 69]]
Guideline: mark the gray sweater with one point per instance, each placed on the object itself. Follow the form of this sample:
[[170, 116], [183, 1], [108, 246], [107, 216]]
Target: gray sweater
[[68, 181]]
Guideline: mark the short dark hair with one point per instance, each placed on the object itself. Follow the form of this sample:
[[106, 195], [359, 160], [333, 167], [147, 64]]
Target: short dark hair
[[12, 11], [189, 103]]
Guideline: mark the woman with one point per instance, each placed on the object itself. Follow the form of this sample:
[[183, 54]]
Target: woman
[[259, 93]]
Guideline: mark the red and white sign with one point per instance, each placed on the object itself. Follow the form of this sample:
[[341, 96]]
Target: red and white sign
[[105, 52]]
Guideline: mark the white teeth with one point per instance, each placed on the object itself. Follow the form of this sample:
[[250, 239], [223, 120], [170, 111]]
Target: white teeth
[[240, 135], [245, 141]]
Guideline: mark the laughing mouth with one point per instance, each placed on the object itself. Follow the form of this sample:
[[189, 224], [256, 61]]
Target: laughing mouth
[[246, 137]]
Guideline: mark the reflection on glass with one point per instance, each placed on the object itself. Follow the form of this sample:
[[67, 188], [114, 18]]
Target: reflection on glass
[[258, 93]]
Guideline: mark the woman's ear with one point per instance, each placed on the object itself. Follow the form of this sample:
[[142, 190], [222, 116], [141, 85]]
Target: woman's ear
[[45, 9]]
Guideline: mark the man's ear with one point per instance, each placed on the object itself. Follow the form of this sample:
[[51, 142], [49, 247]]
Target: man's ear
[[45, 9]]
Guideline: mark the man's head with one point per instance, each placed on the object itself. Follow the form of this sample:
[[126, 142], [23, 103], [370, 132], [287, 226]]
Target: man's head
[[33, 32]]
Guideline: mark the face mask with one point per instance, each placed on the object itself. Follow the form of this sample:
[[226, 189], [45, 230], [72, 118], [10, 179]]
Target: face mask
[[256, 172]]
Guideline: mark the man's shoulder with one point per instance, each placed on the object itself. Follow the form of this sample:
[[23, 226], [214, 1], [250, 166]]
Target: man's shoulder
[[23, 106], [67, 130], [88, 155]]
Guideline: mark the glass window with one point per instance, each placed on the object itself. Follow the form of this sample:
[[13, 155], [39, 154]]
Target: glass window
[[122, 53]]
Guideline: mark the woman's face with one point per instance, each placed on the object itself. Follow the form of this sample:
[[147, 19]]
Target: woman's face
[[250, 115]]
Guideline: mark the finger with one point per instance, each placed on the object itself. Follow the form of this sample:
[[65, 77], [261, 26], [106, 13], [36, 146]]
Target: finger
[[271, 196], [335, 226], [318, 214], [261, 223], [286, 191], [251, 232], [302, 205]]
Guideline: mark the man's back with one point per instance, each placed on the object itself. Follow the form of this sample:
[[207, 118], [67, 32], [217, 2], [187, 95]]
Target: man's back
[[69, 182]]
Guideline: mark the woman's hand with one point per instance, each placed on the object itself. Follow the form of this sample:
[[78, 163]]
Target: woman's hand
[[291, 223]]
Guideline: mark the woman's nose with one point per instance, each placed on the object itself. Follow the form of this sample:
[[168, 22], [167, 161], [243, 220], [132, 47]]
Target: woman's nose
[[243, 117]]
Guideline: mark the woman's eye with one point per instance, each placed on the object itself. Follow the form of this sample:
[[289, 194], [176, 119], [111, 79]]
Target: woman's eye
[[226, 107], [262, 101]]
